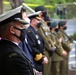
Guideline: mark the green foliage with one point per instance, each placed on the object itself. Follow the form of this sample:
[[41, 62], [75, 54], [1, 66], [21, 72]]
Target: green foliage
[[5, 0], [34, 1], [73, 36], [53, 2], [71, 11], [70, 0], [48, 2]]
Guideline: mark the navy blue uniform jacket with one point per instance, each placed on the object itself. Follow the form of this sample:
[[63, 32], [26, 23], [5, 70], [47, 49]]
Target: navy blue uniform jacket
[[37, 44], [13, 60]]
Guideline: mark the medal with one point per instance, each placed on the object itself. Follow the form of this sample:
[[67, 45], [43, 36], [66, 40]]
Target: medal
[[37, 37], [46, 33], [39, 42]]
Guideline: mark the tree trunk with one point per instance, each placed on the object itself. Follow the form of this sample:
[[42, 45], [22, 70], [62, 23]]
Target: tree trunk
[[1, 6], [16, 3]]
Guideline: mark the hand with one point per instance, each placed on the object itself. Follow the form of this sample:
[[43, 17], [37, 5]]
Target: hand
[[45, 60], [53, 48], [37, 72], [40, 73], [60, 40], [64, 53]]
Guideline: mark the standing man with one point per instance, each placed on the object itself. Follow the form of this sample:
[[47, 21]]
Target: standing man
[[13, 60], [59, 10], [57, 57], [45, 33], [66, 40], [25, 45], [36, 42], [25, 17], [48, 20]]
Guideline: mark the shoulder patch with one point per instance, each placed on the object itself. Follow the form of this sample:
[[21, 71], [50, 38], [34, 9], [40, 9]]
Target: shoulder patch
[[28, 31], [13, 54]]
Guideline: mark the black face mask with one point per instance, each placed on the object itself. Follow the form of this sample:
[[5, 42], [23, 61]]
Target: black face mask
[[44, 14], [49, 23], [65, 28], [56, 29], [22, 35], [39, 24]]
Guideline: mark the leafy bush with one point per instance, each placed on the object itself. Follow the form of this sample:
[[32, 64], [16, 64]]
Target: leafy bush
[[73, 36]]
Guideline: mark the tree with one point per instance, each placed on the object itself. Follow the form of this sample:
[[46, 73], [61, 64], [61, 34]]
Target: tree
[[1, 6], [16, 3]]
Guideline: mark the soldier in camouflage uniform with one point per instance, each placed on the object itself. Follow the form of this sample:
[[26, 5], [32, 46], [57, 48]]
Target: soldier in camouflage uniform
[[49, 45], [57, 57], [65, 44]]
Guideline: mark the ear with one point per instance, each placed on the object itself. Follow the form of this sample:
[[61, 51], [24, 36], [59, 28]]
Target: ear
[[12, 29]]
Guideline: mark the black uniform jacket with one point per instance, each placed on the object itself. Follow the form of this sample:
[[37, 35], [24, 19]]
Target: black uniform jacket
[[37, 44], [13, 60]]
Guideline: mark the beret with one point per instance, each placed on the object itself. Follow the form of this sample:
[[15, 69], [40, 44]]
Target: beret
[[40, 8], [62, 23], [47, 18], [53, 24]]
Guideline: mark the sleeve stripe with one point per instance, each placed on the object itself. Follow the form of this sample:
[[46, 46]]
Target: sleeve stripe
[[38, 57]]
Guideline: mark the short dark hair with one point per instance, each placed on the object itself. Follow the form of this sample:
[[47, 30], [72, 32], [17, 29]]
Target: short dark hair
[[4, 28]]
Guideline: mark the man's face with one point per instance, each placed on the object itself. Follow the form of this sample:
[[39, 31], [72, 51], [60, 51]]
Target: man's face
[[19, 26], [35, 21], [24, 15], [62, 27], [44, 13], [56, 26], [18, 30]]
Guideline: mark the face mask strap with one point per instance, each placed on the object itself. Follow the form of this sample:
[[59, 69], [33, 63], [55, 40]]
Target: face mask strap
[[22, 35], [17, 28]]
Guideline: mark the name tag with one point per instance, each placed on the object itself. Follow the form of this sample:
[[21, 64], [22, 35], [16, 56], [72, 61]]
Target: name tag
[[46, 33]]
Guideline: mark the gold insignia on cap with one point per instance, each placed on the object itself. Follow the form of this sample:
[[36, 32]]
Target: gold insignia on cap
[[38, 57], [38, 18]]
